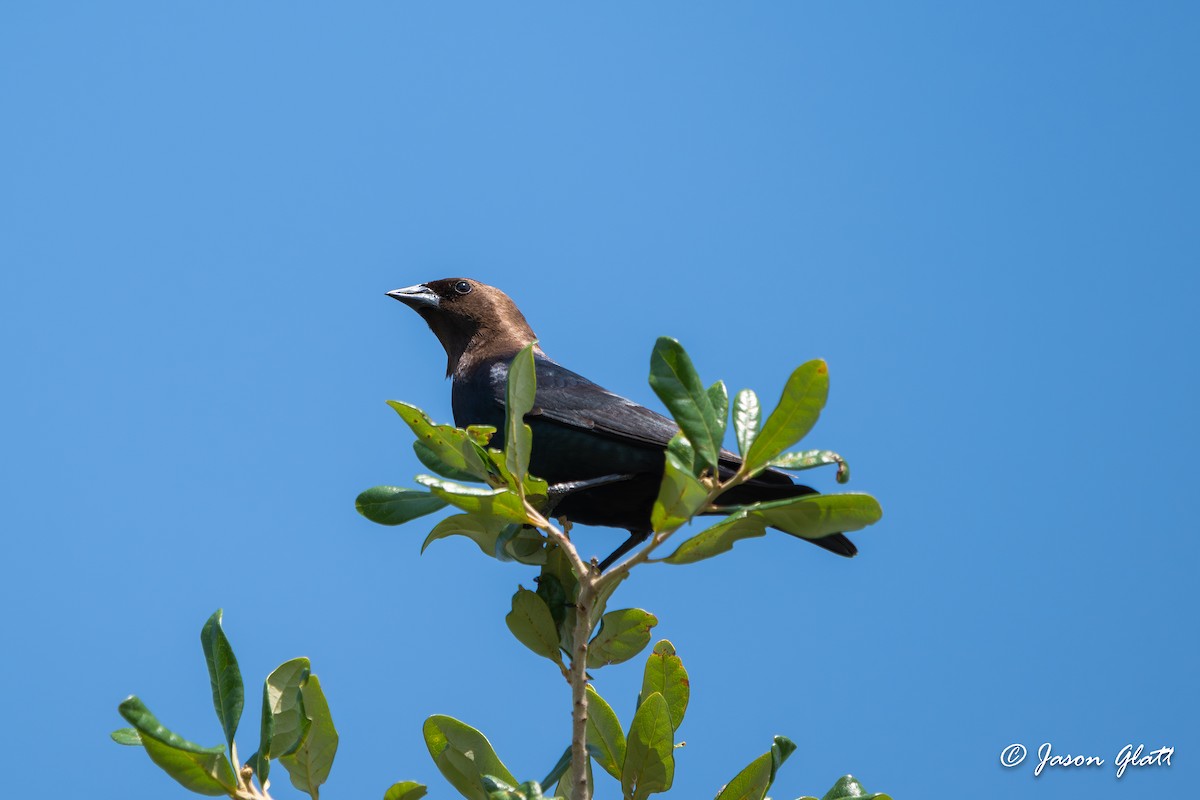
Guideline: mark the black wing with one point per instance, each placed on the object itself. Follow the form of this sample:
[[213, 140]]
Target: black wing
[[571, 399]]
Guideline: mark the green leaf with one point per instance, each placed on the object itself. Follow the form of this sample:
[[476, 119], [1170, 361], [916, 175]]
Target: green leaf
[[781, 748], [559, 769], [622, 636], [520, 543], [282, 695], [530, 790], [533, 625], [126, 736], [203, 770], [224, 675], [753, 782], [815, 515], [674, 380], [450, 446], [566, 790], [718, 398], [482, 530], [210, 775], [394, 505], [536, 490], [606, 739], [260, 765], [405, 790], [719, 538], [518, 401], [147, 725], [746, 419], [680, 496], [429, 457], [559, 566], [499, 790], [808, 517], [309, 765], [463, 755], [681, 449], [260, 760], [502, 503], [849, 787], [665, 674], [813, 458], [650, 754], [553, 595], [283, 723], [803, 397], [481, 434]]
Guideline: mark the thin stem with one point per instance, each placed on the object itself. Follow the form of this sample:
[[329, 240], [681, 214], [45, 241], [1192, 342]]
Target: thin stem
[[578, 566], [246, 789], [576, 674], [715, 490], [579, 681]]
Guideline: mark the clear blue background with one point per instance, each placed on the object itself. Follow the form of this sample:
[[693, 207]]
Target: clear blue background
[[984, 218]]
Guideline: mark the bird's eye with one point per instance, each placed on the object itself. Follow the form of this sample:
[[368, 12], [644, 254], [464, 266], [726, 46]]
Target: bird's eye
[[462, 287]]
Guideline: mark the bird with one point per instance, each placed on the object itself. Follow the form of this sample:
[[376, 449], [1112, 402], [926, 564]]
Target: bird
[[582, 433]]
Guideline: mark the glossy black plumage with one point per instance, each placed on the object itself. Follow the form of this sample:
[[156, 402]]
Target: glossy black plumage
[[580, 430]]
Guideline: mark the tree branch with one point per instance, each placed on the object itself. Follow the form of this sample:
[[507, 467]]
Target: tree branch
[[589, 581]]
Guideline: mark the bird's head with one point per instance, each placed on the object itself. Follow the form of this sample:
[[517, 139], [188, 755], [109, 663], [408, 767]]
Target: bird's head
[[472, 320]]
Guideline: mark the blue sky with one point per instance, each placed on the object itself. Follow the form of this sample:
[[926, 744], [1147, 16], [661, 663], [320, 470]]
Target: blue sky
[[984, 218]]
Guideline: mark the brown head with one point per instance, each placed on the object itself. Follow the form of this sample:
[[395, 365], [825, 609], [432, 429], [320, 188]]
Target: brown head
[[472, 320]]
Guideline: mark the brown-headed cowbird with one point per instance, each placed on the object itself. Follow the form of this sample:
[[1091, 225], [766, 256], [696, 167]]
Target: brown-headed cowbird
[[581, 431]]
